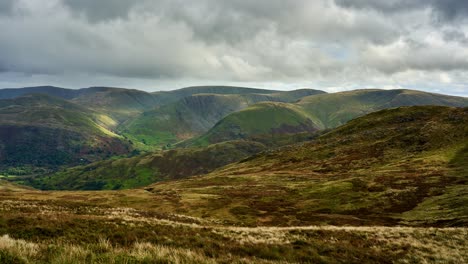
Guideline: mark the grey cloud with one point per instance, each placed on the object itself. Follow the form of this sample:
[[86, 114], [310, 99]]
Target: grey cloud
[[456, 36], [215, 21], [211, 39], [331, 41], [413, 55]]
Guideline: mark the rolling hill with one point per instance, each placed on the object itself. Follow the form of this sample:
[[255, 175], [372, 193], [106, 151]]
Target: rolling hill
[[403, 166], [142, 170], [123, 104], [118, 103], [40, 130], [260, 122]]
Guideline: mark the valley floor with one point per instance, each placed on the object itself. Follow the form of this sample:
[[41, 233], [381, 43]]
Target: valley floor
[[128, 227]]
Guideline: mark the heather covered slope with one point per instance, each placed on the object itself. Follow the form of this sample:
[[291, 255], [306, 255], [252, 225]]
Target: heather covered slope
[[142, 170], [389, 167], [129, 227], [41, 130]]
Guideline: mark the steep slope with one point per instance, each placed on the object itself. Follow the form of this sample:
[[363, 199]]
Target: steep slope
[[196, 114], [120, 104], [260, 121], [46, 131], [399, 166], [148, 168]]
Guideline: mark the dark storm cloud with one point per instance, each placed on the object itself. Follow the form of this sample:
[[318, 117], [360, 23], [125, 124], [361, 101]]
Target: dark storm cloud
[[100, 10], [385, 6], [446, 10], [5, 6]]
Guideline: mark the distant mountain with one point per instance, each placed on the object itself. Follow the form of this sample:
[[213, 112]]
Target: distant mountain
[[196, 114], [148, 168], [335, 109], [404, 166], [321, 111], [175, 95], [10, 93], [41, 130]]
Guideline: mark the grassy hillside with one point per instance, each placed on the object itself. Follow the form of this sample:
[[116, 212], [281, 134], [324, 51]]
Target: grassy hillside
[[262, 120], [43, 131], [400, 166], [148, 168], [196, 114]]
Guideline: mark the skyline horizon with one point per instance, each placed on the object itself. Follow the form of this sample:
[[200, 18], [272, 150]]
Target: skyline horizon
[[264, 87]]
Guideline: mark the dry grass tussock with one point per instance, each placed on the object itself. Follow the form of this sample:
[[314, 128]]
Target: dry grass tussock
[[103, 252], [19, 247]]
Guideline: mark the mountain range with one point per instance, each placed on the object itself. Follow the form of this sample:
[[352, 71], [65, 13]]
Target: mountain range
[[63, 127]]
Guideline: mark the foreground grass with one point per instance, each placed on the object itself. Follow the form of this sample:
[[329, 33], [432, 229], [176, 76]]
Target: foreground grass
[[66, 231]]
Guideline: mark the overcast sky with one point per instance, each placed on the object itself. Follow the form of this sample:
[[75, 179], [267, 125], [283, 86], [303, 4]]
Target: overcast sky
[[280, 44]]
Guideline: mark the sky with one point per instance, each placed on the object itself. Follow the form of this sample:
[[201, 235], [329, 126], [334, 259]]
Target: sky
[[152, 45]]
